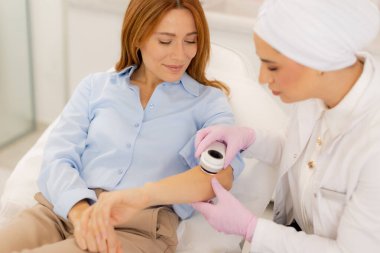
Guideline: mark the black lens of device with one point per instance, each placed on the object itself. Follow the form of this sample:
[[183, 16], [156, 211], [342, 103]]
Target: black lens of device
[[215, 154]]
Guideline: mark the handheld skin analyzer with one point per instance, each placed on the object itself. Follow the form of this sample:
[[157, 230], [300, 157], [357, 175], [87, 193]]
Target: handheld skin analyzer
[[212, 159]]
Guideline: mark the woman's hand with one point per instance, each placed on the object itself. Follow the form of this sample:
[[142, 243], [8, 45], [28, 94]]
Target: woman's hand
[[236, 139], [112, 209], [228, 215], [85, 241], [97, 242]]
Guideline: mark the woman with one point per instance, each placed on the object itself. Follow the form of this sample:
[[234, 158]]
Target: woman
[[124, 129], [328, 160]]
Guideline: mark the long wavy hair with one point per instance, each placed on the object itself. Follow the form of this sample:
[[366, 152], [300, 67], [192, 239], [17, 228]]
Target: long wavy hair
[[140, 20]]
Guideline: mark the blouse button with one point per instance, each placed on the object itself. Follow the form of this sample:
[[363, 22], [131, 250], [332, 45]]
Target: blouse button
[[311, 164]]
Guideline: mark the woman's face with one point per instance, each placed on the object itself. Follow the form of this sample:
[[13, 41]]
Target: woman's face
[[169, 50], [286, 78]]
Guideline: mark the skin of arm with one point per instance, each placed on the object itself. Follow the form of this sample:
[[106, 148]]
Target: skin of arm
[[187, 187], [117, 207]]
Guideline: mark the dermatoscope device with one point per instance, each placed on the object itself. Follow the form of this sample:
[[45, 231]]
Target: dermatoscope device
[[212, 159]]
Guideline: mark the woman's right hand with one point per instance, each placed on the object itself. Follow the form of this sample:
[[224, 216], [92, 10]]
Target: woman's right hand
[[117, 207], [112, 209], [84, 241], [236, 139]]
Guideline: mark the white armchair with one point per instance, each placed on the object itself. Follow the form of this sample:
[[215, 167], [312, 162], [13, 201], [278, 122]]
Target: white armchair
[[253, 107]]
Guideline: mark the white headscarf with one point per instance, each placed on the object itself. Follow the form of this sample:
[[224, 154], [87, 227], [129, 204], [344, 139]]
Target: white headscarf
[[322, 34]]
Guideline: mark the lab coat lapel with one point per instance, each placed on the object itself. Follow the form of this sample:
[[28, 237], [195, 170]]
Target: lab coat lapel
[[307, 113]]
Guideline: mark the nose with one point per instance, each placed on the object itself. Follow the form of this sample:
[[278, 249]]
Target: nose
[[265, 76], [178, 52]]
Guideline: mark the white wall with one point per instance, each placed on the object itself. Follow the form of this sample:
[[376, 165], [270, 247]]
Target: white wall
[[70, 38], [16, 109], [66, 48], [93, 42], [47, 24]]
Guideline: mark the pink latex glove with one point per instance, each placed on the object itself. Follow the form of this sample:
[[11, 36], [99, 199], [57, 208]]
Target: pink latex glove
[[228, 215], [236, 139]]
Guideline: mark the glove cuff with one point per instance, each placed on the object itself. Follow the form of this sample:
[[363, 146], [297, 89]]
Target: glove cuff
[[251, 228], [250, 137]]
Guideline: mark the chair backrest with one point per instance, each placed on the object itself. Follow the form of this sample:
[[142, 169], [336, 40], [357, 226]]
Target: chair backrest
[[253, 107]]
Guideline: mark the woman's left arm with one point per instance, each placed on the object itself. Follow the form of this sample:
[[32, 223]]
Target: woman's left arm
[[187, 187], [190, 186]]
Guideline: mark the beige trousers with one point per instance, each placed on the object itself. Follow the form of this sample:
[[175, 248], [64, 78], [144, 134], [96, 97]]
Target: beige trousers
[[40, 230]]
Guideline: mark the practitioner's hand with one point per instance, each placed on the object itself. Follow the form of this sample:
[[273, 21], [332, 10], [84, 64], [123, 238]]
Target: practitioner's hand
[[112, 209], [236, 139], [228, 215]]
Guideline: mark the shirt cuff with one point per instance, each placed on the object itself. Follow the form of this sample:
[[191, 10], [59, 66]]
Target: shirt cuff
[[268, 237], [238, 165], [184, 211], [68, 199], [251, 150], [251, 229]]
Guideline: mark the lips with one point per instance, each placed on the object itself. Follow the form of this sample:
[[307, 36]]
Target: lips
[[174, 68], [276, 93]]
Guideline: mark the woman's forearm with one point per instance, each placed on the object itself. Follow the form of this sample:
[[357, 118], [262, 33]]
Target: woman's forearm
[[187, 187]]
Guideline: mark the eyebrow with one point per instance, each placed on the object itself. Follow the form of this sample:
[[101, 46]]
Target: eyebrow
[[267, 61], [173, 34]]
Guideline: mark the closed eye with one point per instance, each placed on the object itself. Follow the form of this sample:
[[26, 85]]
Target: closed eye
[[164, 42], [272, 68]]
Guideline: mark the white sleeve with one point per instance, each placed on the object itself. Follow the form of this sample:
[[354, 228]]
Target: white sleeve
[[267, 147], [272, 237]]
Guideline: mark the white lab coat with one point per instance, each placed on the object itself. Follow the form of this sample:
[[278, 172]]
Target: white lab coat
[[346, 188]]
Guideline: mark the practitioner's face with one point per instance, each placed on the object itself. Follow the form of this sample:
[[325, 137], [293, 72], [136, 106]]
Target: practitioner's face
[[286, 78], [169, 50]]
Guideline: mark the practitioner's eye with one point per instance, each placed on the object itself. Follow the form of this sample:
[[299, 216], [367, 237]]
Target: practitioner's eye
[[272, 69]]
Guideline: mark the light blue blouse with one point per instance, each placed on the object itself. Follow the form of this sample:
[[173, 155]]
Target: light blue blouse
[[105, 139]]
